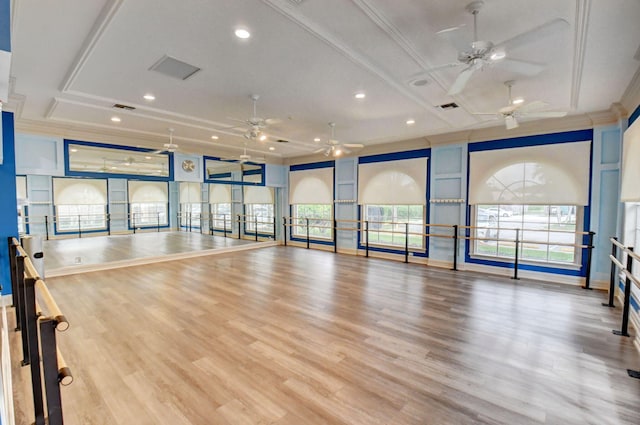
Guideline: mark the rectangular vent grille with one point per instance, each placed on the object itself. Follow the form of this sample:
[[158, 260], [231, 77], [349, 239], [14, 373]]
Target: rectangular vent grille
[[173, 67], [446, 106], [125, 107]]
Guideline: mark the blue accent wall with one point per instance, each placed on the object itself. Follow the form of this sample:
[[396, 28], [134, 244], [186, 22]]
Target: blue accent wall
[[5, 25], [8, 204]]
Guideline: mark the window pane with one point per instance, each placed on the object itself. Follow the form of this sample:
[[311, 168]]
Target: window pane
[[260, 215], [148, 214], [388, 225], [80, 217], [319, 218]]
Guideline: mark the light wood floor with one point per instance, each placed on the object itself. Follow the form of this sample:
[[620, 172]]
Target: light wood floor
[[61, 253], [285, 335]]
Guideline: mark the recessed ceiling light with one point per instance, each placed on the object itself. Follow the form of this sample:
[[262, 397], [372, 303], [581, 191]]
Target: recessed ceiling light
[[360, 95], [517, 101], [149, 96], [496, 56], [272, 148], [242, 33], [115, 119], [214, 137], [263, 138], [411, 122], [317, 139], [114, 168], [337, 152], [74, 150]]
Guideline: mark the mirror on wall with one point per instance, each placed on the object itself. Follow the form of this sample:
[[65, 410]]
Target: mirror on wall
[[233, 172], [115, 160]]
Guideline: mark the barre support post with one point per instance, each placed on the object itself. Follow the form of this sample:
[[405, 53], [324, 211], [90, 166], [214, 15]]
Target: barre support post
[[587, 279], [612, 277], [515, 263], [624, 330]]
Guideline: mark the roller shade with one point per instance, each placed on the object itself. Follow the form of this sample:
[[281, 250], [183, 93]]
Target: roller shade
[[551, 174], [190, 193], [141, 192], [21, 190], [630, 191], [402, 182], [258, 195], [311, 186], [219, 194], [79, 191]]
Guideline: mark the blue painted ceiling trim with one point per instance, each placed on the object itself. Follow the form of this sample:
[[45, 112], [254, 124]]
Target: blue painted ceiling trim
[[5, 25], [312, 166], [395, 156], [634, 116], [536, 140]]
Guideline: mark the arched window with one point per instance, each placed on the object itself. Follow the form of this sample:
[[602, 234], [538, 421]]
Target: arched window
[[190, 204], [258, 206], [220, 206], [311, 199], [540, 190], [81, 204]]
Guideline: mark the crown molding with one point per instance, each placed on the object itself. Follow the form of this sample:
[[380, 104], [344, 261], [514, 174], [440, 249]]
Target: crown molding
[[583, 8]]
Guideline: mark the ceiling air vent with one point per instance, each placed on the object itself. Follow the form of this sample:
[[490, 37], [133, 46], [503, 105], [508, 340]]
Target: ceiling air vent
[[447, 106], [125, 107], [173, 67]]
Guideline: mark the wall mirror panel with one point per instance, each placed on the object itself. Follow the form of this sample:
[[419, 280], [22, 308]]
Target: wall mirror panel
[[84, 158], [233, 172]]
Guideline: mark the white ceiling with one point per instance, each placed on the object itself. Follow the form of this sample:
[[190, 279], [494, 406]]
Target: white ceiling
[[306, 59]]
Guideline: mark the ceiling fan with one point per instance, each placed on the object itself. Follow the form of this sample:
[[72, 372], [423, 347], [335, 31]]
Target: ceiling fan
[[168, 147], [244, 158], [334, 147], [479, 53], [517, 109], [255, 123]]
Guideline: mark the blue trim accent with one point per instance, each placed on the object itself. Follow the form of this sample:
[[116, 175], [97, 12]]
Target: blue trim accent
[[527, 141], [312, 165], [209, 179], [537, 140], [9, 204], [395, 156], [91, 174], [5, 25], [634, 116]]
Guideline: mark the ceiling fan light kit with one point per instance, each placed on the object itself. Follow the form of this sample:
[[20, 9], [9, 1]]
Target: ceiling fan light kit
[[334, 148]]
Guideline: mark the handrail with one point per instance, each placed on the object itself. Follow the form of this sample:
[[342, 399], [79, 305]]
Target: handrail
[[62, 323]]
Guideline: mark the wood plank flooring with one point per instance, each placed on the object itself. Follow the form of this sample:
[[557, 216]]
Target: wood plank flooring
[[285, 335]]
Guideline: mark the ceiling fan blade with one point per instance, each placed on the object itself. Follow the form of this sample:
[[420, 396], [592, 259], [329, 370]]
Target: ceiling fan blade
[[510, 122], [533, 106], [353, 145], [549, 28], [456, 37], [547, 114], [319, 150], [522, 67], [342, 150], [462, 80]]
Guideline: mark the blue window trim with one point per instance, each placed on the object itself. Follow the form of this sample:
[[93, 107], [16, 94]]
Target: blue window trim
[[396, 156], [634, 116], [312, 166], [208, 179], [527, 141], [91, 174]]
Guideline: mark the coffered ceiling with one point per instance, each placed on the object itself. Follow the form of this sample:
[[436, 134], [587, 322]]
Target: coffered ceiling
[[306, 59]]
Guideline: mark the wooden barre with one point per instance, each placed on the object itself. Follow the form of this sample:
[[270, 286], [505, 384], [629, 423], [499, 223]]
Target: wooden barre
[[62, 323], [616, 262], [64, 373], [631, 277], [618, 244]]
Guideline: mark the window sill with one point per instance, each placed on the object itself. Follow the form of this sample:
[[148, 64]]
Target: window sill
[[507, 260]]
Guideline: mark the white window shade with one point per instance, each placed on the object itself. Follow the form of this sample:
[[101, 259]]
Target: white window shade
[[630, 190], [556, 174], [311, 186], [141, 192], [190, 193], [402, 182], [80, 191], [219, 194], [21, 189], [258, 195]]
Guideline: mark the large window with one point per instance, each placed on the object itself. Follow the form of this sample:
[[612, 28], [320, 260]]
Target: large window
[[220, 206], [540, 190], [190, 204], [258, 209], [80, 218], [80, 204], [318, 217], [148, 204], [547, 232], [389, 224]]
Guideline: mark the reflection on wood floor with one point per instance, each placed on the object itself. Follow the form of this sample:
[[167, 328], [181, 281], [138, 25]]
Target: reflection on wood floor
[[284, 335], [65, 255]]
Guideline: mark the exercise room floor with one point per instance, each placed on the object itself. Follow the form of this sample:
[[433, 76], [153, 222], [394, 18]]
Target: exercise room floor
[[289, 336], [64, 253]]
